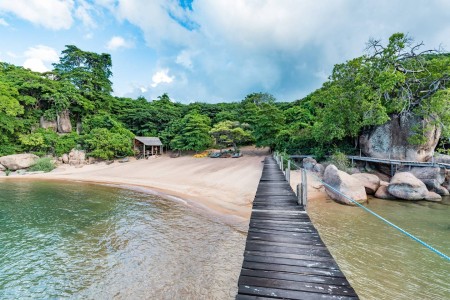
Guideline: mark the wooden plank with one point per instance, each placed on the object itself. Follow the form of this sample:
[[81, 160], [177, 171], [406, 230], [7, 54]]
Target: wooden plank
[[292, 262], [295, 277], [292, 269], [287, 294], [322, 288]]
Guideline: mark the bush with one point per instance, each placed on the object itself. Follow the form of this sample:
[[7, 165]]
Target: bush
[[43, 164], [340, 160]]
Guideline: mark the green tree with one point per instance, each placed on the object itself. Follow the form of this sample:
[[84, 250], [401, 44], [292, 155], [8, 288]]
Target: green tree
[[193, 133], [231, 133], [269, 121]]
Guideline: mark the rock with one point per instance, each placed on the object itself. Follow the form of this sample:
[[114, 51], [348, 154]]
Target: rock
[[43, 123], [65, 158], [77, 157], [434, 173], [124, 160], [391, 139], [384, 183], [442, 158], [2, 168], [432, 196], [354, 171], [382, 193], [63, 122], [405, 185], [18, 161], [369, 181], [311, 164], [20, 172], [434, 186], [345, 184]]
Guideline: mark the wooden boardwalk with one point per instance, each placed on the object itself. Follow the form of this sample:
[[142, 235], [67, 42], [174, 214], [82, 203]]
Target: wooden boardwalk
[[284, 256]]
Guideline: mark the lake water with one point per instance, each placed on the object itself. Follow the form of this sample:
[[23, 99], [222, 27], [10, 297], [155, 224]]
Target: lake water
[[86, 241], [379, 261]]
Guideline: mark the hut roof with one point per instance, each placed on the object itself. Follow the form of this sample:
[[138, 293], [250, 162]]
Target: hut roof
[[149, 141]]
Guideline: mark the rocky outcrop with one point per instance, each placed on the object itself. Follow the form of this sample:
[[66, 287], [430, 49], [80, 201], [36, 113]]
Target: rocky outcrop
[[63, 121], [43, 123], [406, 186], [382, 193], [391, 140], [369, 181], [2, 168], [344, 183], [311, 164], [18, 161], [77, 157]]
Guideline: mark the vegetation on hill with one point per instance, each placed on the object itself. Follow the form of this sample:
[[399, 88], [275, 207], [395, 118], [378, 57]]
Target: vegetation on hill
[[396, 78]]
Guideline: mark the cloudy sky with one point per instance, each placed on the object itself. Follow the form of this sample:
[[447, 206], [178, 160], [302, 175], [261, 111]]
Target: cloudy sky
[[214, 50]]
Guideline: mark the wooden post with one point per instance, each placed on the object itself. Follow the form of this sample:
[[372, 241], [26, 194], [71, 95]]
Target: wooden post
[[144, 151], [304, 188], [299, 194], [288, 175], [281, 163]]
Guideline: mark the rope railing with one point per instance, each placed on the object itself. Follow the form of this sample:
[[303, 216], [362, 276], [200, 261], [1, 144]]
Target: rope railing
[[429, 247]]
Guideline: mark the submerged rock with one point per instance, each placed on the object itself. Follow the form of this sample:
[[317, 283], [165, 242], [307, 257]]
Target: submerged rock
[[18, 161], [344, 183], [432, 196], [406, 186], [369, 181]]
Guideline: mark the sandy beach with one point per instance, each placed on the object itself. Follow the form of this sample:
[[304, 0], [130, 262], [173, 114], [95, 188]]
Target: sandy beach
[[225, 186]]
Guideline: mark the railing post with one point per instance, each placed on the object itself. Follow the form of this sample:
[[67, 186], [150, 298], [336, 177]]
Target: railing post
[[281, 163], [288, 172], [299, 194], [304, 189]]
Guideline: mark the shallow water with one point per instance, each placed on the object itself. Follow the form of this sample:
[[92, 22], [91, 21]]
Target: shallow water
[[85, 241], [379, 261]]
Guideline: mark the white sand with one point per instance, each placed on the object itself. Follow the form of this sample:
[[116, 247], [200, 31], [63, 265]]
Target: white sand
[[224, 185]]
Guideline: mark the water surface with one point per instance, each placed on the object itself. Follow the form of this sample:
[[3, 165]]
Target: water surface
[[379, 261], [86, 241]]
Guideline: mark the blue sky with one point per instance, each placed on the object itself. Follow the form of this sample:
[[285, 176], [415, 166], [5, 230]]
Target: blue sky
[[214, 50]]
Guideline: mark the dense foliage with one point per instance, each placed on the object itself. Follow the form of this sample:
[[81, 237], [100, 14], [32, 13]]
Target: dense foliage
[[396, 78]]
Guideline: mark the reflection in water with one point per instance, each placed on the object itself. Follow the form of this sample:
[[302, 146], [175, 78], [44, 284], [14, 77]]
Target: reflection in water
[[89, 241], [379, 261]]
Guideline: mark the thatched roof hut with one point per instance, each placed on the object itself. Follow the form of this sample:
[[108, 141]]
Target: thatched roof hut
[[148, 145]]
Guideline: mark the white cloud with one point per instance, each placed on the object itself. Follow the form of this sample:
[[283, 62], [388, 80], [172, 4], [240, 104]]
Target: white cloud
[[39, 57], [162, 76], [3, 22], [83, 14], [52, 14], [117, 42]]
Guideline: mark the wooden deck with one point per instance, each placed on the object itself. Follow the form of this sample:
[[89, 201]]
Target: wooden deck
[[285, 257]]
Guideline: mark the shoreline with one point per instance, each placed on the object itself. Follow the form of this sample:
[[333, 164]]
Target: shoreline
[[222, 188]]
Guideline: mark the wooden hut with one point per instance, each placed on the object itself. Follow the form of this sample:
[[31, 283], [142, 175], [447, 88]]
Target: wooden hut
[[148, 146]]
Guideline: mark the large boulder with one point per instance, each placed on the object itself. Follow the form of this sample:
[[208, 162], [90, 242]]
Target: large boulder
[[345, 184], [391, 139], [18, 161], [442, 158], [63, 122], [371, 182], [2, 168], [382, 193], [406, 186], [65, 158]]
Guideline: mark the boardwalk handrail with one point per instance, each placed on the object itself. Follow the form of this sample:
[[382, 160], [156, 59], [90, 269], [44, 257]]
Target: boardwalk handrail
[[441, 254], [387, 161]]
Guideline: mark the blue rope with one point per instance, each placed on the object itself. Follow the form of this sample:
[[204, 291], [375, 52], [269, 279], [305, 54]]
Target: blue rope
[[386, 221]]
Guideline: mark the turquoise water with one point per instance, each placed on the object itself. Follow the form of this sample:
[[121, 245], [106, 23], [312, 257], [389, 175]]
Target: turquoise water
[[78, 240], [379, 261]]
